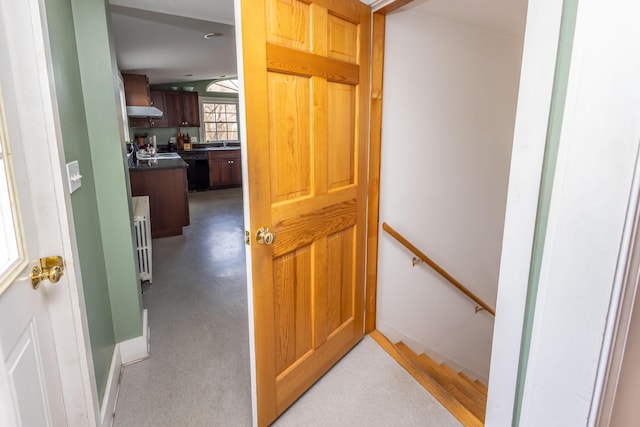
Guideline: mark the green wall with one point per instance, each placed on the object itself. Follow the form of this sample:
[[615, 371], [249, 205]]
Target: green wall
[[84, 201], [99, 85], [85, 80], [85, 77], [199, 86]]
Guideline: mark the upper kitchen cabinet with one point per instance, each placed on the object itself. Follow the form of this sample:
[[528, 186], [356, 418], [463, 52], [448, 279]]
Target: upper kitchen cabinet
[[144, 108], [182, 109], [136, 90], [158, 101]]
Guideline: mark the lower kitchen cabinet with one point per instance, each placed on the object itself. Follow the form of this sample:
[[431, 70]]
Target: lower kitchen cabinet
[[168, 202], [225, 169]]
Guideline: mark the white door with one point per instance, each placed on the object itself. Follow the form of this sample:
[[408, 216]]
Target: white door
[[46, 377]]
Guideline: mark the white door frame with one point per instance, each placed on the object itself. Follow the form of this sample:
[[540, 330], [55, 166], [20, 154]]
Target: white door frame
[[34, 94], [532, 115], [591, 193]]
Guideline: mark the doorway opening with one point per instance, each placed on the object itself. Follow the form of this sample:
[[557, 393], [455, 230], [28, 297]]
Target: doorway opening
[[197, 301]]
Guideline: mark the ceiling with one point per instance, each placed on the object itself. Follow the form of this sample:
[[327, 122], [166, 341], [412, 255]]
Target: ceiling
[[172, 48], [501, 16], [164, 39]]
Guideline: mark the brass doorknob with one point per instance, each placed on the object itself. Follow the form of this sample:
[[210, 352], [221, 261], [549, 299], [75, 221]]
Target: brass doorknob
[[51, 268], [265, 237]]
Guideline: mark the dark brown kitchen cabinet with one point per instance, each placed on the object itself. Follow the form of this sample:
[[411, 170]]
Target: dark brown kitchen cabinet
[[158, 101], [136, 89], [225, 169], [168, 202], [183, 109]]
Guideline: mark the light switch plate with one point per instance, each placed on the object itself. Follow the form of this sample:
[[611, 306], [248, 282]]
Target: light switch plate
[[194, 139], [73, 176]]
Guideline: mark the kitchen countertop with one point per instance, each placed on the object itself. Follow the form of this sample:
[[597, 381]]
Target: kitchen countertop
[[147, 165], [232, 148]]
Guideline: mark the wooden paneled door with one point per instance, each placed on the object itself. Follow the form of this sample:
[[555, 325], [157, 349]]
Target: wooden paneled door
[[306, 79]]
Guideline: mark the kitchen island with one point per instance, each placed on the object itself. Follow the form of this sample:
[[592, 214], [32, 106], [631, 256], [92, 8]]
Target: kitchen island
[[165, 182]]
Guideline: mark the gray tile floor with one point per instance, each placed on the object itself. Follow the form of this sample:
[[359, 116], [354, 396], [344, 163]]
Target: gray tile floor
[[198, 370]]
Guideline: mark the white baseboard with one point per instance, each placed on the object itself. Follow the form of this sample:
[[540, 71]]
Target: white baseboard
[[137, 348], [111, 389], [395, 336], [124, 353]]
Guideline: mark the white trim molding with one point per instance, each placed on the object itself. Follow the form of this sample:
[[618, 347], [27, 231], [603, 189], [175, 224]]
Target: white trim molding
[[136, 349], [627, 279], [532, 114], [124, 353], [589, 206], [108, 407], [377, 4]]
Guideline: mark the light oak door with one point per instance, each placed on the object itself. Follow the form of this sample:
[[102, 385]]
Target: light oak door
[[306, 80]]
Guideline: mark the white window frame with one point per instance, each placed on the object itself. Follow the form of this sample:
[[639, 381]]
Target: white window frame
[[10, 216], [217, 100]]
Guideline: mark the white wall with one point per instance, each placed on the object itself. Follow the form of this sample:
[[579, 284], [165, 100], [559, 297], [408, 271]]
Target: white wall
[[450, 93]]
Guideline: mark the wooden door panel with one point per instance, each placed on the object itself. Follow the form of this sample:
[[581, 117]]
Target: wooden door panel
[[288, 24], [299, 293], [306, 86], [343, 39], [289, 138], [299, 377], [292, 283], [340, 280], [341, 148]]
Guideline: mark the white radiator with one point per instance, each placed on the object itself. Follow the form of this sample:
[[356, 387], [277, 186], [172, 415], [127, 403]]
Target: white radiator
[[142, 225]]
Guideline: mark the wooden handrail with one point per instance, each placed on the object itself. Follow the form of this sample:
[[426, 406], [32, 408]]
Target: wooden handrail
[[386, 227]]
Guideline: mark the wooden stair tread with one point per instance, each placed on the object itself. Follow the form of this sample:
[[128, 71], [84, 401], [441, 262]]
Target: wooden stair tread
[[465, 393], [475, 400], [439, 392], [461, 383], [482, 387], [475, 383]]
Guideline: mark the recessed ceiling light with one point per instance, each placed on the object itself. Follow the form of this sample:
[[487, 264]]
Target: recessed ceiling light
[[212, 35]]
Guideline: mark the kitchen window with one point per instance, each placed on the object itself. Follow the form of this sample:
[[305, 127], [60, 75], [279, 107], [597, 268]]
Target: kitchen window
[[219, 120], [224, 86]]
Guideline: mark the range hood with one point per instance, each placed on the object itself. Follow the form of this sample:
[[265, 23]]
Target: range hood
[[140, 111]]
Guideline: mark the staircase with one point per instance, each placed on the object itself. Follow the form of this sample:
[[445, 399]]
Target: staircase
[[465, 398]]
